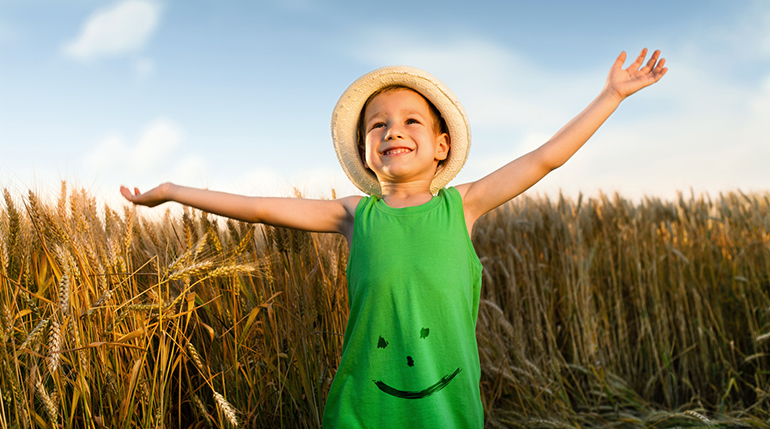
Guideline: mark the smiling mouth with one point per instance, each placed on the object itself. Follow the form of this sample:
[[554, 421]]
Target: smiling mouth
[[396, 151], [417, 394]]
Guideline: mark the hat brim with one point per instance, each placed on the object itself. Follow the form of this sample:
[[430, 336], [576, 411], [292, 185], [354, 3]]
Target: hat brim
[[348, 109]]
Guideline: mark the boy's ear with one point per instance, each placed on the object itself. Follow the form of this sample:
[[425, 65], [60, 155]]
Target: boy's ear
[[442, 147]]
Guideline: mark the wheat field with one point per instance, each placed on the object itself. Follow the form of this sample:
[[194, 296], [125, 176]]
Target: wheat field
[[594, 313]]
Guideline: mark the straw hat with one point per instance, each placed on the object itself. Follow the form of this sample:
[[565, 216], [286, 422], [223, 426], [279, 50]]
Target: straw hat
[[348, 109]]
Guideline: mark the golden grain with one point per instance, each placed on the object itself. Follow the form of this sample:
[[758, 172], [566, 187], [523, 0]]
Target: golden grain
[[227, 409], [49, 405], [104, 299], [64, 294], [196, 358], [192, 270], [698, 416], [201, 409], [36, 334], [7, 319], [54, 345], [78, 343], [589, 311], [62, 206]]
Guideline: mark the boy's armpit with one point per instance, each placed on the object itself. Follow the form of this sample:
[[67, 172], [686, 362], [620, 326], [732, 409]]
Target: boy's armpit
[[309, 214]]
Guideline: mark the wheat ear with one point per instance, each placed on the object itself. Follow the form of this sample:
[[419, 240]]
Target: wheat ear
[[54, 346], [227, 409], [50, 407]]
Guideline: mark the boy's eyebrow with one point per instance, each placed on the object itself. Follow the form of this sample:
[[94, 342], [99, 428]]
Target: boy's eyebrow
[[406, 111]]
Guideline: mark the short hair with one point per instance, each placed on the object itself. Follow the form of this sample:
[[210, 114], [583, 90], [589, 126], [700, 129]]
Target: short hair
[[439, 124]]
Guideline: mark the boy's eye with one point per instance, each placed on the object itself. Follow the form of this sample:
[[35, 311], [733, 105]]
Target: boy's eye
[[412, 121], [377, 125]]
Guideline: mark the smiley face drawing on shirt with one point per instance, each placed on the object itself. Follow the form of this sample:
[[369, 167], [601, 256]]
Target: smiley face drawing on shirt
[[382, 343]]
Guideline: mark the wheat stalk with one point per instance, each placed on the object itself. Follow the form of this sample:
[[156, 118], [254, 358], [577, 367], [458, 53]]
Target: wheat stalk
[[21, 409], [62, 206], [201, 409], [35, 335], [230, 270], [190, 255], [48, 403], [227, 409], [144, 308], [128, 233], [11, 377], [698, 416], [112, 382], [191, 270], [7, 323], [101, 300], [245, 241], [196, 357], [190, 233], [64, 294], [82, 355], [122, 314], [54, 346]]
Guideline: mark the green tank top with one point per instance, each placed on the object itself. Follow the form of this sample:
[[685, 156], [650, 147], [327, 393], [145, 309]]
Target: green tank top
[[409, 357]]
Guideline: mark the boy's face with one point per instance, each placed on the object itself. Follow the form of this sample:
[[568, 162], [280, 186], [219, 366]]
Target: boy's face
[[400, 138]]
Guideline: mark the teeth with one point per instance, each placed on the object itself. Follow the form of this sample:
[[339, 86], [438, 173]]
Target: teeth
[[396, 151]]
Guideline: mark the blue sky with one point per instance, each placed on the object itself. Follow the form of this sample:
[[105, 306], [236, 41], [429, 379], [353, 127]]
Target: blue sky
[[236, 95]]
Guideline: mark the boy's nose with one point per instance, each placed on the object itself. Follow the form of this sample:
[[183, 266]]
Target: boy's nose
[[394, 133]]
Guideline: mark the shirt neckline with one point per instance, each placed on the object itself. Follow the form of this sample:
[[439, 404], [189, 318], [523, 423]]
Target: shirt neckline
[[428, 205]]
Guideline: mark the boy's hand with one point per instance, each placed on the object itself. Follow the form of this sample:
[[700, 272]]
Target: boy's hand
[[622, 83], [151, 198]]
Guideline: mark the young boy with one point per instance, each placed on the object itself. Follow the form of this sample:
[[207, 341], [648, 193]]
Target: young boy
[[409, 355]]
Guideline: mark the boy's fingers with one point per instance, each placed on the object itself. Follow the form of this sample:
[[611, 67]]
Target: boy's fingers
[[620, 59], [639, 60], [128, 195], [653, 60]]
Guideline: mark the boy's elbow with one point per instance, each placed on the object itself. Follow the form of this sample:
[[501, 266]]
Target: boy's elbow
[[549, 162], [553, 165]]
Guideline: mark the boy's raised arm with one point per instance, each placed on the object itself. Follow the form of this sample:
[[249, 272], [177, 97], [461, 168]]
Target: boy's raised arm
[[298, 213], [517, 176]]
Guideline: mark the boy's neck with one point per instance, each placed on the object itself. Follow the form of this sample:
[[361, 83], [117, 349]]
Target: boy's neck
[[400, 195]]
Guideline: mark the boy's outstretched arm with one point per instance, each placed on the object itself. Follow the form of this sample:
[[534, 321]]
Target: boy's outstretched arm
[[298, 213], [517, 176]]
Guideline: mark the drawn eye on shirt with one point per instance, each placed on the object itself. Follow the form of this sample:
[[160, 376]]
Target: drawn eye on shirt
[[381, 344], [413, 394]]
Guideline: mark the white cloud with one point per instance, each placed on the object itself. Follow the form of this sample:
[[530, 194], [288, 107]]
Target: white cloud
[[316, 183], [107, 154], [152, 149], [156, 143], [191, 169], [119, 29]]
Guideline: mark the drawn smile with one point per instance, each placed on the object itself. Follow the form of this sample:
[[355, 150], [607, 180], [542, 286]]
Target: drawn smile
[[417, 394]]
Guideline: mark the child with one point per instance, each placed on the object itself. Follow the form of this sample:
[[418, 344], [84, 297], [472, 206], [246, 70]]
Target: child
[[409, 356]]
